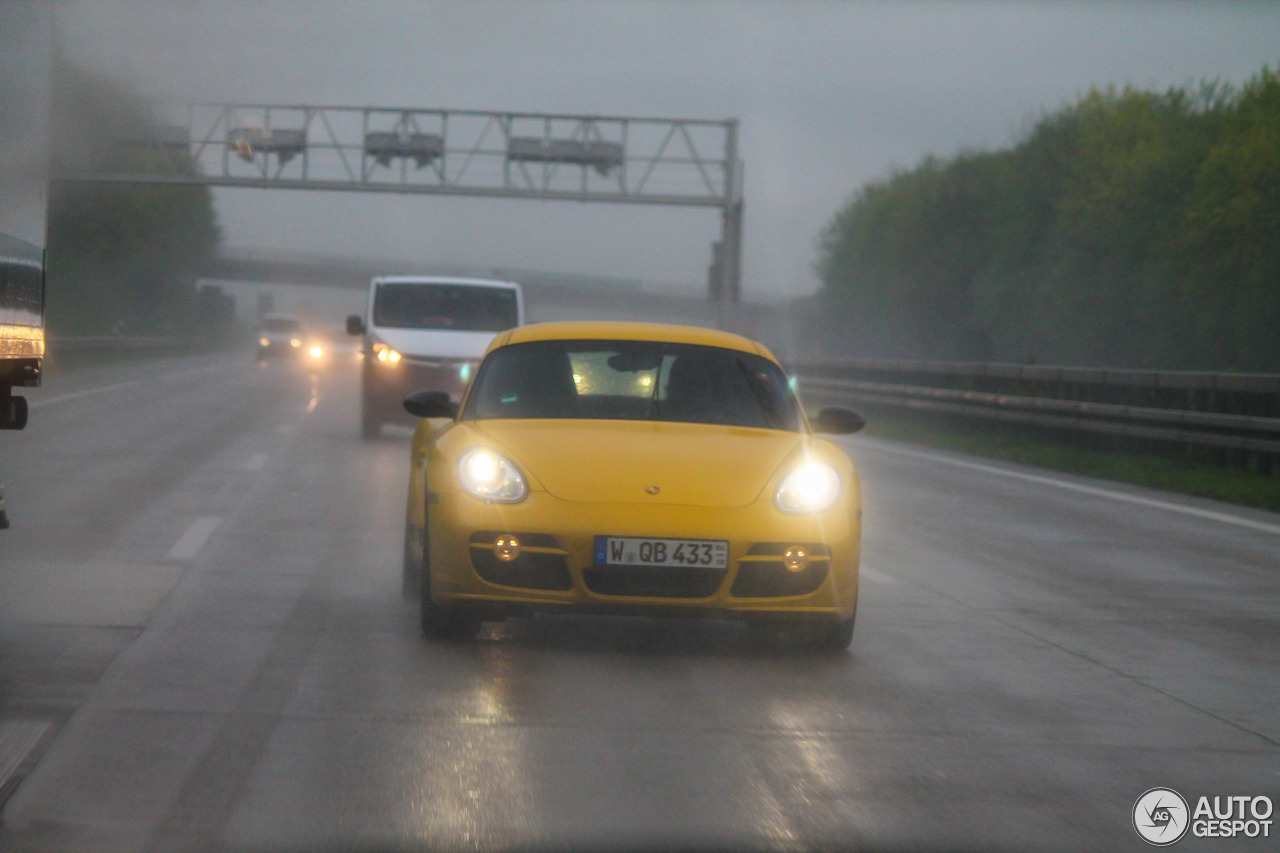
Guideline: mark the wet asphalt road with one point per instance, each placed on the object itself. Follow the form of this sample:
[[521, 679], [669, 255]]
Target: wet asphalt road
[[203, 642]]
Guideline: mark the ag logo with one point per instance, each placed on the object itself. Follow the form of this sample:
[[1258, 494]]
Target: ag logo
[[1161, 816]]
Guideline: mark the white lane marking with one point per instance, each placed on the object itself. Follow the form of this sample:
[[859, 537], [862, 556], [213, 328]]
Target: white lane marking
[[874, 576], [17, 739], [197, 535], [88, 392], [1088, 490], [106, 389], [256, 462]]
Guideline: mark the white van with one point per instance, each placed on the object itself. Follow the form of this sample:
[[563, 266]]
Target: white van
[[426, 332]]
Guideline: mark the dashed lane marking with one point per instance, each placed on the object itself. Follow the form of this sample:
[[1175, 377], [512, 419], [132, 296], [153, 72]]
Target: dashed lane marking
[[17, 739], [868, 573], [195, 538]]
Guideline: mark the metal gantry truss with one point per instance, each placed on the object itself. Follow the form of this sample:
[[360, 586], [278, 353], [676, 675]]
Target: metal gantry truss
[[614, 159]]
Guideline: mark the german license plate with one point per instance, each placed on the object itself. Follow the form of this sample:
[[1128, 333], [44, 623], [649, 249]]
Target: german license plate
[[678, 553]]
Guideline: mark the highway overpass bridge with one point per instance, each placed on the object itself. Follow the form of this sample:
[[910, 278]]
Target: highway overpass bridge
[[326, 289]]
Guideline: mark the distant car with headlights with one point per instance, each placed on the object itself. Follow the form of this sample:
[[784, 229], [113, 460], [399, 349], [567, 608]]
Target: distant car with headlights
[[282, 335], [631, 468], [426, 332], [318, 351]]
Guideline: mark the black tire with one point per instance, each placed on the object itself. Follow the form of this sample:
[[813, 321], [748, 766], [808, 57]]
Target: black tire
[[440, 621], [444, 622], [411, 579]]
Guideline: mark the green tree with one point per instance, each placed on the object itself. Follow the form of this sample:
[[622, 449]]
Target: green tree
[[905, 254], [1104, 278], [121, 257], [1229, 242], [1128, 228]]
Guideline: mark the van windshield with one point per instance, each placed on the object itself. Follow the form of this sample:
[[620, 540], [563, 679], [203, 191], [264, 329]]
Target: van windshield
[[454, 307]]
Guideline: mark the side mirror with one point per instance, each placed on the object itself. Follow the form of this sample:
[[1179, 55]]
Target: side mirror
[[430, 404], [355, 325], [836, 420]]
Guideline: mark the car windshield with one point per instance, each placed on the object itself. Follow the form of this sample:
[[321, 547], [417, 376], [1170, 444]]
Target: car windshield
[[281, 324], [633, 380], [453, 307]]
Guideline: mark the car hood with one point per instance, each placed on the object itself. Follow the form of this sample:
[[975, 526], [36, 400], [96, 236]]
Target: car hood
[[626, 461], [434, 343]]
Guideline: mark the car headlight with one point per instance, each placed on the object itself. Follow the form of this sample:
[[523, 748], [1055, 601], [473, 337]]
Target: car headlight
[[385, 354], [316, 351], [490, 476], [811, 486]]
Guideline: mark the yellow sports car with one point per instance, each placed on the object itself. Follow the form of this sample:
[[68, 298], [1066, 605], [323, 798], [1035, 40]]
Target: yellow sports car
[[631, 468]]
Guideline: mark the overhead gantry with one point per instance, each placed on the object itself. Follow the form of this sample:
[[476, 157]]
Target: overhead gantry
[[615, 159]]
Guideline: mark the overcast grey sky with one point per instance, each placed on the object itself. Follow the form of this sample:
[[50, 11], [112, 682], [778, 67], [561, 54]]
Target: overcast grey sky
[[830, 95]]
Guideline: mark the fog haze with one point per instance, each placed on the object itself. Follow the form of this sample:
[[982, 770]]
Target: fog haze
[[829, 96]]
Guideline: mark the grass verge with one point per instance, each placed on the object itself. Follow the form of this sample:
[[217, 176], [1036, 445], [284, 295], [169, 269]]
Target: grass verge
[[1158, 472]]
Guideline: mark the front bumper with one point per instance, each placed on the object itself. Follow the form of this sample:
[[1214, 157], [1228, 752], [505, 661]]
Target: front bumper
[[386, 385], [556, 569]]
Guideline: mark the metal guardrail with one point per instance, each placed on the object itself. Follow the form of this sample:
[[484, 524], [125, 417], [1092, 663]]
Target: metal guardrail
[[116, 342], [1066, 414], [1049, 398], [1253, 383]]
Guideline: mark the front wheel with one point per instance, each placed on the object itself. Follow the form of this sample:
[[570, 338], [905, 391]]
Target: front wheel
[[439, 621], [444, 621], [411, 578]]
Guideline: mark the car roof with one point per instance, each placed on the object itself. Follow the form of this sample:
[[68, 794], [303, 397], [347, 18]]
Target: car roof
[[445, 279], [578, 330]]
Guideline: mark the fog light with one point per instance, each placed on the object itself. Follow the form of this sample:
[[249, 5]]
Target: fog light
[[795, 558], [506, 547]]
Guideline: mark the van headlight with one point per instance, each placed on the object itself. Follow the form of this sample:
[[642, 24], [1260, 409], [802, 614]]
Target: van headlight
[[810, 487], [490, 476], [385, 354]]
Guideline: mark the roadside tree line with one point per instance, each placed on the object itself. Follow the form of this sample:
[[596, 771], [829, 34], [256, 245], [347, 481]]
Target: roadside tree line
[[1129, 229], [122, 258]]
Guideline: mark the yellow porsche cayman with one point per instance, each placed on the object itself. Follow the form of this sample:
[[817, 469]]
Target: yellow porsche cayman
[[631, 468]]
